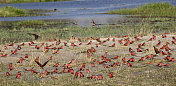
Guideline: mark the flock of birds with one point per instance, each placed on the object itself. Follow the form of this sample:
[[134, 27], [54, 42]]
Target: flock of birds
[[141, 50]]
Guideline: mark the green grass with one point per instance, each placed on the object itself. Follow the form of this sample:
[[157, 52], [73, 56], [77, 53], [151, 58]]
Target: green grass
[[9, 11], [12, 12], [26, 1], [150, 10], [17, 31]]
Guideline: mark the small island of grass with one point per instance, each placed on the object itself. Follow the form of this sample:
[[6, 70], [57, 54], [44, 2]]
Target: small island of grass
[[150, 10], [9, 11]]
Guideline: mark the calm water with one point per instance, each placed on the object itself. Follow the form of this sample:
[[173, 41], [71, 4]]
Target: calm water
[[82, 11]]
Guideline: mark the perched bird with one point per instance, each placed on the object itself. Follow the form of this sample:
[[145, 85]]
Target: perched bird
[[18, 75], [110, 74], [10, 66], [7, 74], [159, 64]]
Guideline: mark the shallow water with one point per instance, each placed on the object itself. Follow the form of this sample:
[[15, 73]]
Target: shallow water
[[82, 11]]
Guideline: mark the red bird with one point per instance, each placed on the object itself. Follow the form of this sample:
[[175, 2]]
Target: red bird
[[168, 58], [133, 53], [7, 74], [110, 74], [10, 66], [11, 44], [154, 37], [81, 74], [118, 63], [142, 58], [100, 77], [72, 44], [93, 23], [21, 60], [26, 56], [113, 45], [92, 64], [150, 39], [166, 65], [88, 71], [41, 75], [115, 57], [159, 64], [172, 60], [18, 75], [139, 50], [113, 39], [89, 43], [126, 44], [159, 43], [143, 44], [76, 74], [129, 64]]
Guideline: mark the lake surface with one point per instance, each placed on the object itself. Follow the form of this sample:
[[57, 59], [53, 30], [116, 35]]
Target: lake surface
[[82, 11]]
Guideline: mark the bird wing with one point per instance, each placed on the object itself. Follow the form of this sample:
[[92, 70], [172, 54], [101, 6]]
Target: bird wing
[[38, 63], [45, 63], [156, 50]]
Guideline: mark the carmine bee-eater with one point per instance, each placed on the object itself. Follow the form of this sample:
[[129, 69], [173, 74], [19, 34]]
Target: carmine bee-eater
[[89, 43], [18, 75], [100, 77], [129, 64], [7, 74], [11, 44], [21, 60], [110, 74], [143, 44], [76, 74], [159, 64], [133, 53], [26, 56], [141, 59], [139, 50], [154, 37], [172, 60], [166, 65], [88, 71], [10, 66], [56, 65], [113, 45]]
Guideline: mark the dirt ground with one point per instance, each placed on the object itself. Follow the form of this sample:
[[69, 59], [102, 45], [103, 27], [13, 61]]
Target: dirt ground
[[78, 53]]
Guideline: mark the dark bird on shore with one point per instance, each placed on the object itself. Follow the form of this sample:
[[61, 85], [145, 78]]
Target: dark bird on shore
[[156, 50], [35, 35]]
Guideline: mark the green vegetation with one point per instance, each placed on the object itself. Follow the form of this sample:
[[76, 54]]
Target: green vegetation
[[26, 1], [150, 10], [62, 29], [12, 11], [15, 12]]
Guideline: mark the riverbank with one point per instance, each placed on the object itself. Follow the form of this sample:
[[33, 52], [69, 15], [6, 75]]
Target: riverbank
[[149, 10]]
